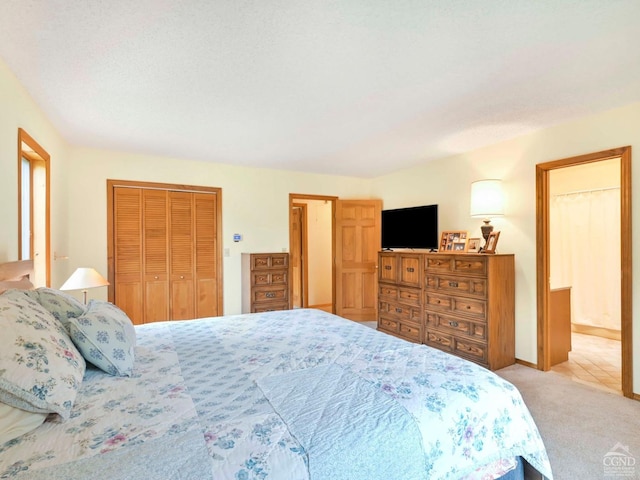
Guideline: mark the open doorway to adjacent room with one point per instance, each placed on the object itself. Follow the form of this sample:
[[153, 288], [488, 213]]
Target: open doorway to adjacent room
[[311, 247], [579, 300]]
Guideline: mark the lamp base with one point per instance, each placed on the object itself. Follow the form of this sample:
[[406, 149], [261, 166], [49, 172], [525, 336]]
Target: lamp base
[[487, 228]]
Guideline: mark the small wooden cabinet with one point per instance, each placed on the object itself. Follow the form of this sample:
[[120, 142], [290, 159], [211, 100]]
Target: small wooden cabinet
[[265, 282], [460, 303]]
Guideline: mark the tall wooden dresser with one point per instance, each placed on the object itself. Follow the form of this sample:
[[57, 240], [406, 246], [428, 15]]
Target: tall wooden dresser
[[265, 282], [460, 303]]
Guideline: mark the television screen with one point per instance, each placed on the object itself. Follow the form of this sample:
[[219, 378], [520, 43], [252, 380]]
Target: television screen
[[413, 227]]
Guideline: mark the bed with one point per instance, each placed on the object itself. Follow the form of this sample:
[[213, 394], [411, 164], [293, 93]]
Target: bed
[[298, 394]]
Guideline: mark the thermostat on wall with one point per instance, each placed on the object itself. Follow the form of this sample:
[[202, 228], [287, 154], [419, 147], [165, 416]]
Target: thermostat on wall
[[237, 237]]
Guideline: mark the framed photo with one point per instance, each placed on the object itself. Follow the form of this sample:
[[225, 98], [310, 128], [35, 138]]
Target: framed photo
[[473, 246], [492, 242], [454, 241]]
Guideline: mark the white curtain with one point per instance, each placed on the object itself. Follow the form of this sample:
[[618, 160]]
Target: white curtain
[[585, 254]]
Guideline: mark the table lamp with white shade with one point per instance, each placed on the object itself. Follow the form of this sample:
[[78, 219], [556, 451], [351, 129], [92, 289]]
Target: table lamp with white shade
[[83, 279], [487, 201]]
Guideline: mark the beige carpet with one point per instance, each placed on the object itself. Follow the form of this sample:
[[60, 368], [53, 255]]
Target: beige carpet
[[580, 425]]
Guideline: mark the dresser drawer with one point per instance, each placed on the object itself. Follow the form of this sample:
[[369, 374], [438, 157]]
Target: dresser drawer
[[388, 325], [474, 351], [269, 260], [476, 287], [474, 265], [438, 264], [410, 332], [270, 307], [263, 278], [407, 313], [457, 326], [450, 304], [270, 294], [407, 295]]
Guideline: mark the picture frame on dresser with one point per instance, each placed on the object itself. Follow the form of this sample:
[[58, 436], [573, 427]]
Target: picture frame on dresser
[[454, 241], [492, 242], [473, 246]]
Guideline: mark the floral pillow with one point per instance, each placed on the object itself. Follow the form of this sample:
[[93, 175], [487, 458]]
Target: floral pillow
[[40, 368], [106, 337], [61, 305]]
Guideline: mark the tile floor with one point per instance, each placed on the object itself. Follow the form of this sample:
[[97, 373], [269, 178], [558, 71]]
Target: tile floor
[[593, 360]]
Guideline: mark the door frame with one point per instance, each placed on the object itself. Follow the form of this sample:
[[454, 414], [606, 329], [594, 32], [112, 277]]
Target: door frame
[[543, 257], [294, 198]]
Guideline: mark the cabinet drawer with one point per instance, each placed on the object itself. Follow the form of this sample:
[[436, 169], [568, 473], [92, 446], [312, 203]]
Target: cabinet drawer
[[262, 278], [269, 307], [388, 325], [465, 306], [270, 294], [439, 340], [406, 313], [405, 295], [476, 352], [474, 265], [388, 291], [269, 260], [411, 332], [457, 326], [476, 287], [438, 264], [473, 351]]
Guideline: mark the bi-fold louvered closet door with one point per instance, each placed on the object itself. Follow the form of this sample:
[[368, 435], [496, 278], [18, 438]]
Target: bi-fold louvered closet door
[[165, 253]]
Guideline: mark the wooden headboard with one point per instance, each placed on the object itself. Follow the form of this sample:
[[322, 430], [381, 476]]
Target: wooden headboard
[[16, 275]]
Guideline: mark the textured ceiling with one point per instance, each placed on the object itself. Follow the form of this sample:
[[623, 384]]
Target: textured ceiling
[[351, 87]]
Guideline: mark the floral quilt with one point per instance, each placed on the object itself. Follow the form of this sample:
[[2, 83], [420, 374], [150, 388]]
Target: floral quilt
[[193, 408]]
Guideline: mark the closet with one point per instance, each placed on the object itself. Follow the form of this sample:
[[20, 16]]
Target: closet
[[164, 259]]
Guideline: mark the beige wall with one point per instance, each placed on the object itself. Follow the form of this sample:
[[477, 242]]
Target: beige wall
[[447, 182], [19, 111]]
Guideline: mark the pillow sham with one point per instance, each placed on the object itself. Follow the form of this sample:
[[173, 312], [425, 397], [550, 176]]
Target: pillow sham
[[15, 422], [40, 368], [106, 338], [61, 305]]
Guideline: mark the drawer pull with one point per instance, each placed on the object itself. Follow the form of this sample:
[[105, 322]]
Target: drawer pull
[[387, 267], [398, 310], [453, 324], [270, 295], [468, 307], [411, 269], [438, 302], [453, 284]]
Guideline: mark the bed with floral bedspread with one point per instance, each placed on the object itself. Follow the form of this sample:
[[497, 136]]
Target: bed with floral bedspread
[[204, 400]]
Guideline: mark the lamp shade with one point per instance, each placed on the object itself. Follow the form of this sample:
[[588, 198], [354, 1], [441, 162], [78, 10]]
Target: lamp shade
[[84, 278], [487, 199]]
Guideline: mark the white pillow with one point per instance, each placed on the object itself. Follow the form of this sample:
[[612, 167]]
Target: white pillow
[[15, 422], [106, 338]]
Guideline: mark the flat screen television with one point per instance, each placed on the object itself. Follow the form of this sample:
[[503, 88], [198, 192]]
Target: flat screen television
[[413, 227]]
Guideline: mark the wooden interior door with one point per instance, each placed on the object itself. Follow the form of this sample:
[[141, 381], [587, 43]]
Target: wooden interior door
[[155, 227], [181, 255], [358, 242], [126, 277], [206, 261]]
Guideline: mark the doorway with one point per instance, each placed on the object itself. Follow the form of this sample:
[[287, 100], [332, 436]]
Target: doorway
[[312, 251], [585, 294], [544, 297]]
